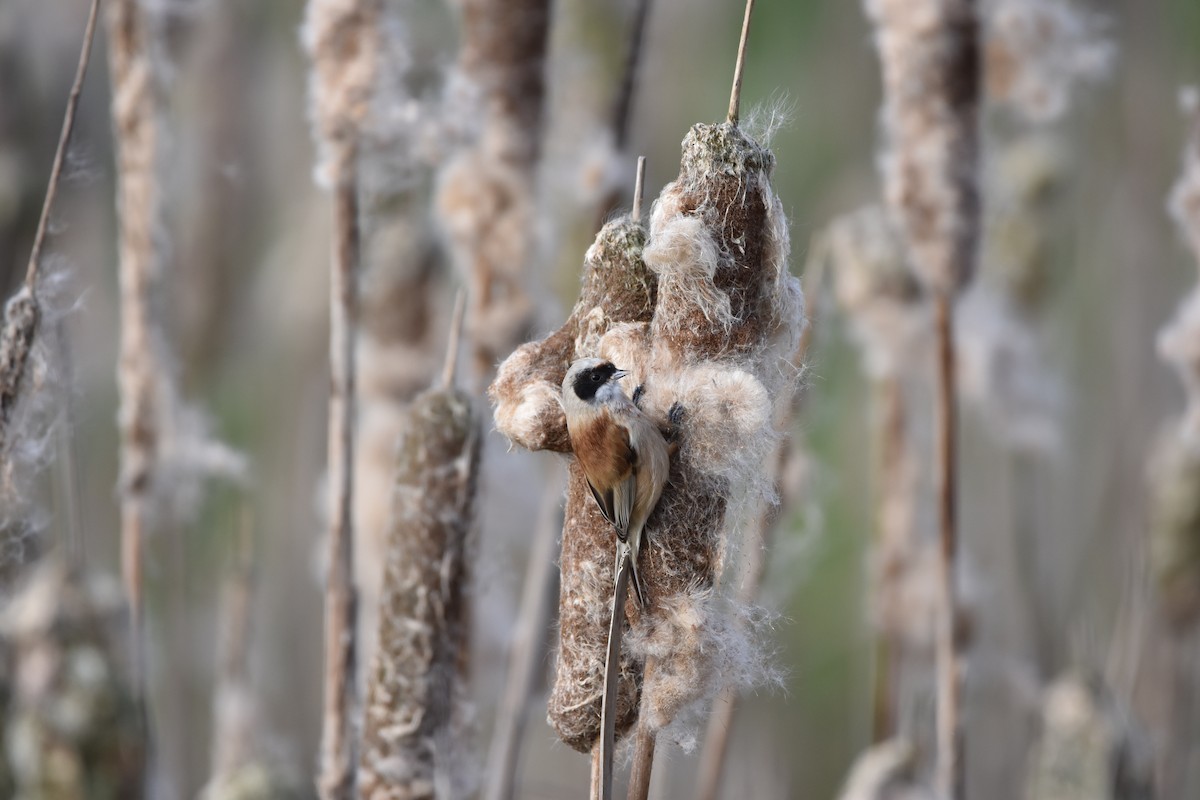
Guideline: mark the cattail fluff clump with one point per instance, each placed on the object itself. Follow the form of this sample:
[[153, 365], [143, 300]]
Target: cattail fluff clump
[[1038, 51], [1175, 464], [616, 300], [726, 324], [413, 716], [486, 198], [342, 40], [72, 726], [1038, 55]]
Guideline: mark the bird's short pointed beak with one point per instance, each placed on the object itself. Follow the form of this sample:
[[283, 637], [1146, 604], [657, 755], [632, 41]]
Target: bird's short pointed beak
[[619, 374]]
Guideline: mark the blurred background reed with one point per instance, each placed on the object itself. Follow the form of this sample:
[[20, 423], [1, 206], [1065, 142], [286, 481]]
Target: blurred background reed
[[1055, 502]]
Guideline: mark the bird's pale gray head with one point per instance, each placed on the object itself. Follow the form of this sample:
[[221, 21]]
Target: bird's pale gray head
[[590, 379]]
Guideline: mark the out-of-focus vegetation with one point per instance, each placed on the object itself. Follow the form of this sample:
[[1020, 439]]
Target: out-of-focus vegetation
[[246, 304]]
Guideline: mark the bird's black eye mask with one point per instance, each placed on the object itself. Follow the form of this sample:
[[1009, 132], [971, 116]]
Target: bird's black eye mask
[[589, 381]]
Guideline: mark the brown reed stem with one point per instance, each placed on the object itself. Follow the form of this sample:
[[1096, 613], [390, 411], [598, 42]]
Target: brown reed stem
[[64, 140], [524, 665], [23, 314], [643, 753], [456, 321], [735, 94], [895, 486], [137, 107], [639, 187], [612, 668], [336, 780], [76, 539], [233, 723], [950, 770], [622, 108]]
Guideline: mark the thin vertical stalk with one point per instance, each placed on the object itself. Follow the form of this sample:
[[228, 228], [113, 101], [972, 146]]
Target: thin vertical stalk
[[21, 319], [643, 754], [623, 107], [336, 781], [136, 111], [949, 672], [735, 94], [894, 483], [612, 668], [524, 665]]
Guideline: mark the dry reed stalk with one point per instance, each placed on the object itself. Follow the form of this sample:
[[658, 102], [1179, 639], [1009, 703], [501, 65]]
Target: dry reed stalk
[[622, 112], [930, 56], [233, 712], [22, 312], [138, 101], [337, 771], [885, 771], [883, 302], [487, 195], [240, 769], [73, 723], [417, 675], [342, 38], [528, 643]]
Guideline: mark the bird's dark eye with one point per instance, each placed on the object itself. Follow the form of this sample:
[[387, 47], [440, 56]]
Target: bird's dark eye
[[595, 378]]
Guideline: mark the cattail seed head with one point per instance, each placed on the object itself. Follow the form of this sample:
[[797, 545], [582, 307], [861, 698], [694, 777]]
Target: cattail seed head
[[930, 56], [416, 676]]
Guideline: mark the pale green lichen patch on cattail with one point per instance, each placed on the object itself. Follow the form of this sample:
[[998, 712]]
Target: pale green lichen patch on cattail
[[1175, 463], [72, 727], [21, 316], [1175, 526], [413, 708], [1086, 750]]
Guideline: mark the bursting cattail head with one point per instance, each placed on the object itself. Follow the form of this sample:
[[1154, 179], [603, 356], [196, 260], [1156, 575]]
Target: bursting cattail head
[[1039, 51], [341, 37], [929, 51]]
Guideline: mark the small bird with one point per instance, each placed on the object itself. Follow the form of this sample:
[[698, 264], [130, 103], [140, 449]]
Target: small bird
[[623, 453]]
